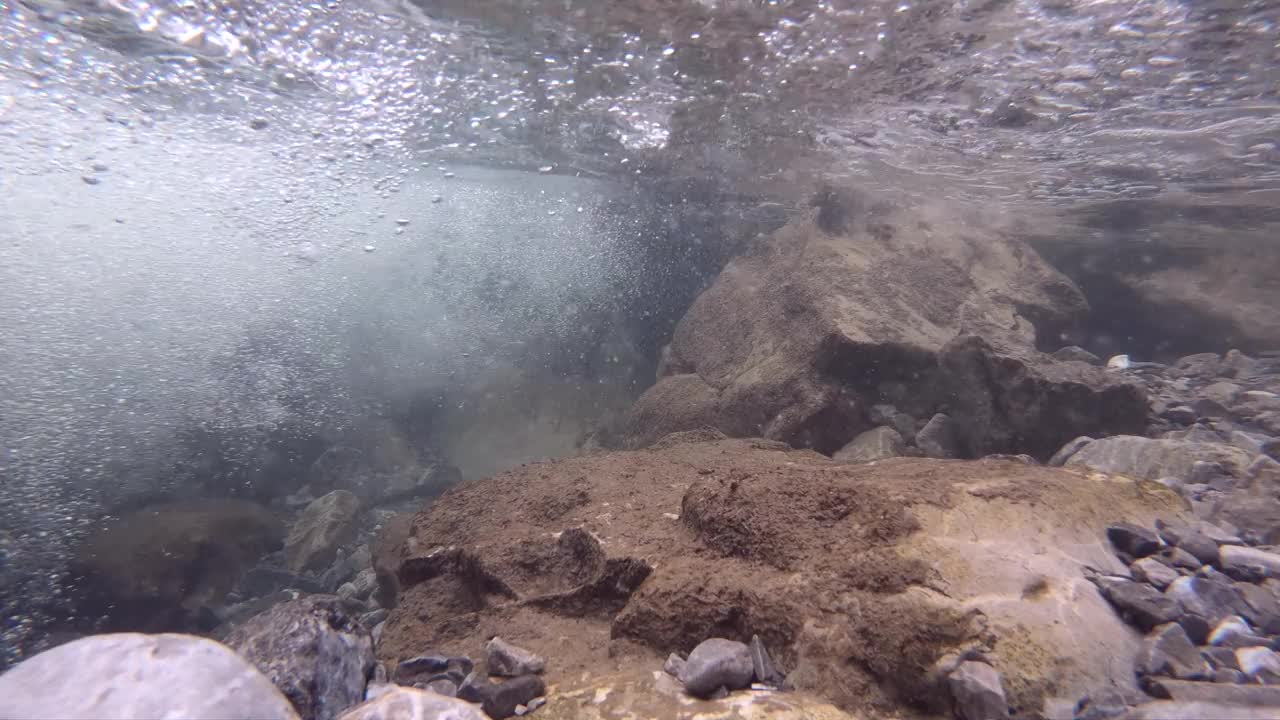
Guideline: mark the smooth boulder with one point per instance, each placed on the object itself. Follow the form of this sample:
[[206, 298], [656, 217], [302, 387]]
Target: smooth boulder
[[506, 660], [876, 444], [126, 676], [313, 650], [717, 663]]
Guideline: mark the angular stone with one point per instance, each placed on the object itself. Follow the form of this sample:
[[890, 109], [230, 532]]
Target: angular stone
[[675, 664], [1246, 563], [1212, 598], [1234, 632], [1153, 572], [1106, 704], [420, 669], [937, 439], [1202, 547], [499, 700], [506, 660], [1168, 651], [402, 703], [131, 675], [978, 692], [1075, 353], [1064, 454], [1133, 540], [1259, 663], [1150, 459], [717, 663], [1225, 694], [313, 650], [1221, 657], [326, 523], [1176, 557], [1141, 605], [1228, 677], [762, 665], [1180, 414], [1174, 710], [1262, 608], [875, 444]]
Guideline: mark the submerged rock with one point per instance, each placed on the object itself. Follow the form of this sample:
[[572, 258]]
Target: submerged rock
[[1149, 459], [783, 342], [1168, 651], [717, 663], [507, 660], [401, 703], [768, 536], [938, 439], [317, 654], [131, 675], [160, 568], [977, 691], [327, 523], [500, 700], [875, 444]]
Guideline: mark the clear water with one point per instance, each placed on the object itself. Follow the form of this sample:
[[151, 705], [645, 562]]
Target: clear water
[[253, 220]]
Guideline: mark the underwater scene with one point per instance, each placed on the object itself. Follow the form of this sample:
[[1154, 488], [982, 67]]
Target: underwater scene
[[640, 359]]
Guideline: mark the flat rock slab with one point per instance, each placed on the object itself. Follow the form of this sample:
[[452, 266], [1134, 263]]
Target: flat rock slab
[[129, 675]]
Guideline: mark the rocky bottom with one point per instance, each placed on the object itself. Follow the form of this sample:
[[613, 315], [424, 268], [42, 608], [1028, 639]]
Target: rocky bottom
[[1128, 577]]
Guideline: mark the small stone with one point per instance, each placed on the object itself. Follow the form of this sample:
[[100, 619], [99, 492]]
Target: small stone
[[1196, 627], [1168, 651], [1221, 657], [1228, 676], [1246, 563], [437, 198], [674, 665], [1118, 362], [499, 700], [1075, 353], [1226, 694], [937, 439], [1259, 663], [1133, 540], [1202, 547], [442, 684], [402, 703], [762, 665], [1154, 572], [1176, 557], [372, 619], [449, 175], [325, 524], [1212, 598], [90, 180], [369, 248], [717, 663], [402, 221], [1174, 710], [1180, 414], [875, 444], [1262, 607], [506, 660], [1104, 704], [1061, 457], [1140, 604], [258, 123], [978, 692], [1234, 632]]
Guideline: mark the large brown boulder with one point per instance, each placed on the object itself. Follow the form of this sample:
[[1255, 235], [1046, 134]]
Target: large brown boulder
[[161, 568], [798, 338], [864, 581]]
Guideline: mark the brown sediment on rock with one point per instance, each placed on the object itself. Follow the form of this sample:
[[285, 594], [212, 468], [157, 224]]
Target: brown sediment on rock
[[860, 579]]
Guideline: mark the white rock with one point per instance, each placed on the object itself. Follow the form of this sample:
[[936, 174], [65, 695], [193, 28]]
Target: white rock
[[131, 675], [1118, 362], [1258, 661], [404, 703]]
